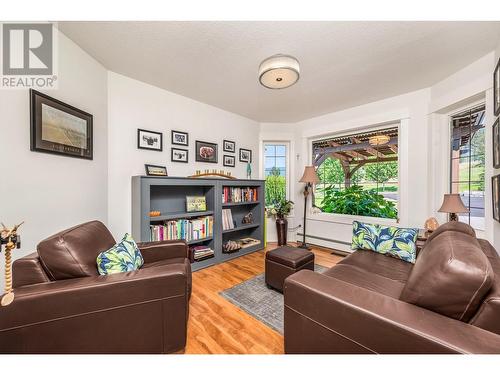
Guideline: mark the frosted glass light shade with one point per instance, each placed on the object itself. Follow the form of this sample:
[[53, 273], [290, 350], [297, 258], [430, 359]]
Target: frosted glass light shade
[[279, 71]]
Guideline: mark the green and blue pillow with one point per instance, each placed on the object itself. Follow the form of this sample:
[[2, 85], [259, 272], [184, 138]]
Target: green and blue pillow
[[393, 241], [124, 256]]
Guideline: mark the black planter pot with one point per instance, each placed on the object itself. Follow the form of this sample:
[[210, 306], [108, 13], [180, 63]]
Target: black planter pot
[[281, 229]]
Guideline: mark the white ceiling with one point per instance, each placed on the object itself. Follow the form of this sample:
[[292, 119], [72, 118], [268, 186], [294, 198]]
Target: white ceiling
[[343, 64]]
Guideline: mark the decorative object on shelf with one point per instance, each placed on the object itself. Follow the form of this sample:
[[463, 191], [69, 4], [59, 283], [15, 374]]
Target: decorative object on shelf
[[207, 173], [247, 242], [495, 196], [229, 161], [281, 210], [196, 203], [247, 219], [496, 89], [11, 240], [309, 177], [245, 155], [249, 171], [154, 213], [149, 140], [155, 170], [231, 247], [453, 205], [206, 152], [279, 71], [180, 138], [59, 128], [431, 224], [229, 146], [179, 155], [496, 144]]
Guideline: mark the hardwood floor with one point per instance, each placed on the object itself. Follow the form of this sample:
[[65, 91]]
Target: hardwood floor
[[216, 325]]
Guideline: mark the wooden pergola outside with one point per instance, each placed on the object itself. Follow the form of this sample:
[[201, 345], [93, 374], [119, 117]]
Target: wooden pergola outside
[[355, 151]]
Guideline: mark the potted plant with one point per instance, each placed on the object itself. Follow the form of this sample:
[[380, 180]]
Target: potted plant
[[281, 210]]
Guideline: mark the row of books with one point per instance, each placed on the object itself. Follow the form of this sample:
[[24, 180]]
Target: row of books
[[184, 229], [239, 195], [197, 253], [227, 219]]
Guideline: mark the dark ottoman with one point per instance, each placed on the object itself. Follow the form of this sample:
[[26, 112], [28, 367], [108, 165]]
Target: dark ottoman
[[285, 261]]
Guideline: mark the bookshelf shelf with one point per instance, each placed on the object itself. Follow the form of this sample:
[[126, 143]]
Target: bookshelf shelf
[[168, 195]]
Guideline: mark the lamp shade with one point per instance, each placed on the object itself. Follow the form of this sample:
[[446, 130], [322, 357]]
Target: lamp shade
[[309, 175], [279, 71], [452, 203]]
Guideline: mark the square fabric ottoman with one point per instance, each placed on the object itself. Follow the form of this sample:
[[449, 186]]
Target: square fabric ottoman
[[285, 261]]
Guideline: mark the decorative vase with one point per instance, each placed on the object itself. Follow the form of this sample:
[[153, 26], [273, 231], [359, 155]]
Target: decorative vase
[[281, 229]]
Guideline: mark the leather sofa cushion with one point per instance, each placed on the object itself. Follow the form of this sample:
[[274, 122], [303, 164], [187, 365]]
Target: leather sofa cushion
[[455, 226], [73, 252], [488, 250], [184, 261], [28, 270], [451, 276], [292, 257]]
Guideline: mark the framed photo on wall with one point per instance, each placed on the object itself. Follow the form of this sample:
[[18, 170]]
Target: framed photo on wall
[[149, 140], [496, 89], [206, 152], [229, 146], [179, 155], [495, 196], [496, 144], [180, 138], [245, 155], [59, 128], [156, 170], [229, 161]]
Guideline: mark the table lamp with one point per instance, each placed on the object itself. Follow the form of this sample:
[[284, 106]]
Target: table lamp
[[453, 205], [309, 177]]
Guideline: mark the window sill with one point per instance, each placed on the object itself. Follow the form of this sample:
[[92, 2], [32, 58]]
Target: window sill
[[348, 219]]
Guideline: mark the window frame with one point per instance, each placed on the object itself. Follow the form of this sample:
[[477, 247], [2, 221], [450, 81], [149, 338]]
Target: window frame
[[287, 162]]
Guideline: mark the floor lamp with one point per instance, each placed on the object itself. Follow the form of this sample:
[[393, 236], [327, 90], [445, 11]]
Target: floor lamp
[[309, 178]]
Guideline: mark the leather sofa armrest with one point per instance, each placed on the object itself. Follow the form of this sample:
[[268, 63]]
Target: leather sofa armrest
[[160, 250], [65, 299], [326, 315], [28, 270]]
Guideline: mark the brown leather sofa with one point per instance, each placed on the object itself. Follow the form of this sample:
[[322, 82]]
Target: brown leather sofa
[[62, 304], [448, 302]]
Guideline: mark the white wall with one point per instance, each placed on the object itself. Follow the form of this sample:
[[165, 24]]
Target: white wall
[[132, 105], [51, 192]]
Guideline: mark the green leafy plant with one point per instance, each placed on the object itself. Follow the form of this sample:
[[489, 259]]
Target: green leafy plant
[[281, 209], [356, 201], [275, 187]]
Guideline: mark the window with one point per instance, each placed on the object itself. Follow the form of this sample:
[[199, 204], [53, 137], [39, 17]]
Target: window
[[467, 163], [358, 173], [275, 172]]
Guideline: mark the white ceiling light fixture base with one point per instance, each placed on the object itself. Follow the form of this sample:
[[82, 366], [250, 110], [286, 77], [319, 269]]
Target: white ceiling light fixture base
[[279, 71]]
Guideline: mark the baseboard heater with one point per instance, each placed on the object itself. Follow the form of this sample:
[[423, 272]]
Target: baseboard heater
[[335, 251]]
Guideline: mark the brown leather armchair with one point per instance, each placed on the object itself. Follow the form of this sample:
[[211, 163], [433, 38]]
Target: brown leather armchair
[[62, 305]]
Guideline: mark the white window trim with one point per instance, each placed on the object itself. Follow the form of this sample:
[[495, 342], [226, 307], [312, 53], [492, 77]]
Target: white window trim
[[287, 162]]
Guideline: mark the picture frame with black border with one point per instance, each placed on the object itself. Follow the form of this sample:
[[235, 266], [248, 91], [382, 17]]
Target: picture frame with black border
[[229, 161], [496, 89], [495, 196], [149, 140], [180, 138], [228, 146], [179, 155], [245, 155], [156, 170], [206, 152], [59, 128], [496, 143]]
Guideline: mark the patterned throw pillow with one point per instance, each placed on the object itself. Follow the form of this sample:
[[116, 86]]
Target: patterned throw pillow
[[124, 256], [393, 241]]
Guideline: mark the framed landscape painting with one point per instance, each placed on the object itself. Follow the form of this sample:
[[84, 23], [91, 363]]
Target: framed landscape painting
[[59, 128], [206, 152]]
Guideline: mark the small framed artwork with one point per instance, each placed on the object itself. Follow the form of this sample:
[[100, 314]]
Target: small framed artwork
[[245, 155], [156, 170], [179, 155], [149, 140], [496, 89], [196, 203], [59, 128], [206, 152], [229, 146], [495, 195], [229, 161], [180, 138], [496, 144]]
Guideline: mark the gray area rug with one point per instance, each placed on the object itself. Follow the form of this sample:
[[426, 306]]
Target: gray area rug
[[262, 303]]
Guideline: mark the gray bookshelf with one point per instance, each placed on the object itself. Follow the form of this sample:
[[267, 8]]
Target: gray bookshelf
[[168, 195]]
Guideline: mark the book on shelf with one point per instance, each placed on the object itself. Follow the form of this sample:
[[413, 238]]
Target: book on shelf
[[227, 219], [239, 195], [183, 229], [197, 253]]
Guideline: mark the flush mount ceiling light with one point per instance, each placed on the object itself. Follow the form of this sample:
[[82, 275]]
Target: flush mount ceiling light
[[379, 139], [279, 72]]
